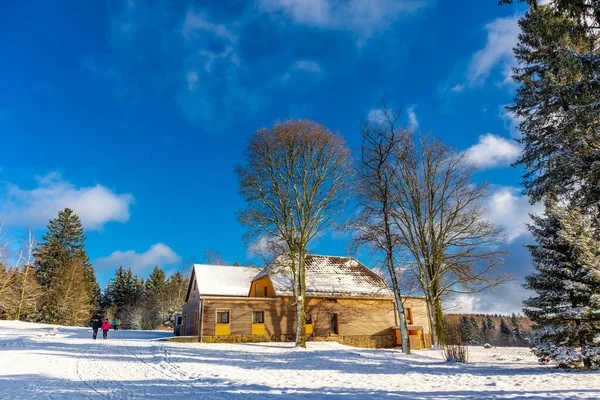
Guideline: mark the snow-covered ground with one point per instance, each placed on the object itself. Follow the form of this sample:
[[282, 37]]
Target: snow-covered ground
[[41, 361]]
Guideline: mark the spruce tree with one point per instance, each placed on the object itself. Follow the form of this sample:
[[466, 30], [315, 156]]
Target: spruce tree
[[62, 245], [469, 330], [566, 308], [557, 100], [505, 331]]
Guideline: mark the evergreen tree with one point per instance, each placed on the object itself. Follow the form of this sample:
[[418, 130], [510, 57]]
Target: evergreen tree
[[469, 330], [490, 322], [557, 100], [156, 283], [505, 331], [517, 332], [566, 310], [124, 290], [484, 330], [62, 245]]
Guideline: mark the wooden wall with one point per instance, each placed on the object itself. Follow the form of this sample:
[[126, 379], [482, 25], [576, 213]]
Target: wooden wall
[[419, 312], [356, 317], [188, 314]]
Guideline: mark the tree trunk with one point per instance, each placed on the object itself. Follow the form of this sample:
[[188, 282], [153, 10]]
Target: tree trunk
[[300, 302], [399, 308], [439, 322], [24, 277], [431, 312]]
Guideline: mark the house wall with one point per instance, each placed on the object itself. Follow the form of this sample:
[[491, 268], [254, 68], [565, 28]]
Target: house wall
[[362, 323], [189, 308], [259, 286], [419, 313]]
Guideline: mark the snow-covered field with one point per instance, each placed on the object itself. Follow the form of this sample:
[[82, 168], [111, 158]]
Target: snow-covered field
[[41, 361]]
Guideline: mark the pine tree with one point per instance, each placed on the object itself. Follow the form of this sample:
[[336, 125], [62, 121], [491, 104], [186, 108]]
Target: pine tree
[[484, 334], [469, 330], [156, 283], [124, 290], [557, 100], [516, 328], [490, 323], [566, 310], [62, 244], [505, 331]]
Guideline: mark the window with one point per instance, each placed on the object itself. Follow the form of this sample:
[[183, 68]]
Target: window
[[266, 293], [308, 319], [408, 315], [258, 317], [223, 317], [333, 324], [179, 322]]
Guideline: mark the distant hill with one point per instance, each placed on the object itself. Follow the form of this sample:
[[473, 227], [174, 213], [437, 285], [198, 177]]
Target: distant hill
[[497, 330]]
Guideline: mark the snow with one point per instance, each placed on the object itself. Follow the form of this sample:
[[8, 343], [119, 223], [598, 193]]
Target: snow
[[47, 362], [331, 277], [224, 280]]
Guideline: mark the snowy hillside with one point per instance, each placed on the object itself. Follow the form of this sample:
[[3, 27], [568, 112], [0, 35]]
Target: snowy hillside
[[43, 361]]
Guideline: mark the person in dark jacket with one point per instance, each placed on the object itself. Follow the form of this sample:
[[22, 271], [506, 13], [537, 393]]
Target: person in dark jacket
[[105, 328], [95, 327]]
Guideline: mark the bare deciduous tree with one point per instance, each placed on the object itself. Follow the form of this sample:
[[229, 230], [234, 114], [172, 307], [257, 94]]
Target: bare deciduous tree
[[28, 288], [293, 181], [373, 225], [439, 217], [213, 257], [66, 299]]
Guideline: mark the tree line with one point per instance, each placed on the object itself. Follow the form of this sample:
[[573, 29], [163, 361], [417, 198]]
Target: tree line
[[493, 329], [53, 281]]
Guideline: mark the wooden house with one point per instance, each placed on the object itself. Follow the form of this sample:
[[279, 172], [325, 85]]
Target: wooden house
[[346, 302]]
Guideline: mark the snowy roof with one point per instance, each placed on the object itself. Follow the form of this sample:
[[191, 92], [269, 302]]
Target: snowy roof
[[328, 276], [223, 280]]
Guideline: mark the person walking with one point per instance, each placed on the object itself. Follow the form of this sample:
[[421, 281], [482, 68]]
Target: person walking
[[116, 324], [95, 327], [105, 328]]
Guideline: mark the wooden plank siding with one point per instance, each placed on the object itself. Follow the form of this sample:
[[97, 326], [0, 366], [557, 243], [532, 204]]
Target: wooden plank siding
[[188, 311], [356, 317], [418, 305]]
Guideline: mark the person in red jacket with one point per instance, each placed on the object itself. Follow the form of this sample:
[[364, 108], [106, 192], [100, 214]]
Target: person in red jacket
[[105, 328]]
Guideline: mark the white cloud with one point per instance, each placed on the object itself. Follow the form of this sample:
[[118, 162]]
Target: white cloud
[[192, 79], [158, 254], [412, 117], [504, 300], [375, 115], [508, 208], [360, 16], [307, 65], [493, 151], [502, 37], [195, 22], [95, 205], [457, 88]]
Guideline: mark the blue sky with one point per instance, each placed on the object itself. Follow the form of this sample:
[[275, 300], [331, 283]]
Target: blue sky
[[135, 113]]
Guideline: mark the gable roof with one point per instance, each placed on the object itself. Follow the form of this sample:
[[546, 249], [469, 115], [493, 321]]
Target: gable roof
[[329, 276], [222, 280]]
